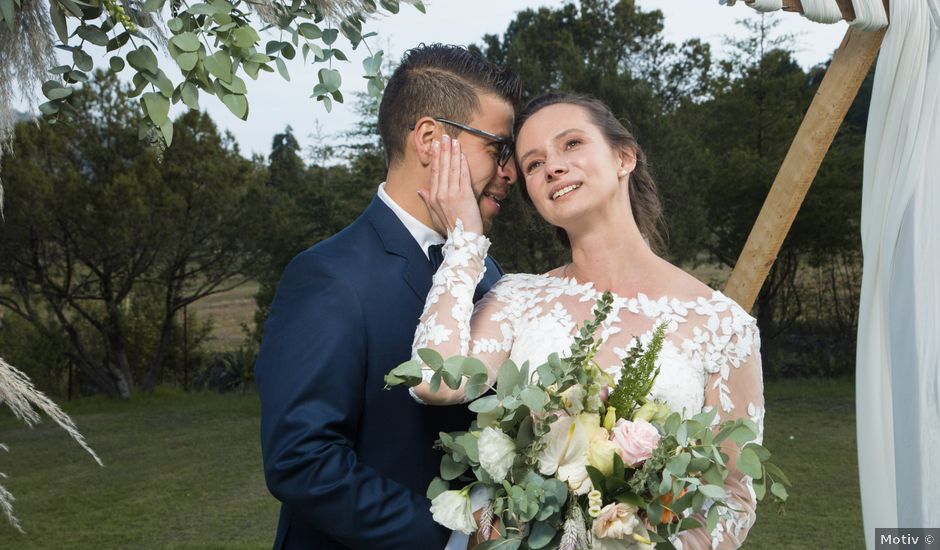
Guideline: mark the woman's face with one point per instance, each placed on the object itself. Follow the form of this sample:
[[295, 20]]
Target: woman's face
[[569, 168]]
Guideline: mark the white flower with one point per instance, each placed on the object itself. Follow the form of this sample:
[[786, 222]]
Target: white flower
[[573, 399], [618, 527], [565, 454], [452, 510], [497, 452]]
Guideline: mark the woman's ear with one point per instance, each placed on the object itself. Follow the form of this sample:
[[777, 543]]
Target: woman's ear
[[627, 159], [425, 132]]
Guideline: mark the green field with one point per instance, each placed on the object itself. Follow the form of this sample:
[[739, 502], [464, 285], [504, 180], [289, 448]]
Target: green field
[[184, 471]]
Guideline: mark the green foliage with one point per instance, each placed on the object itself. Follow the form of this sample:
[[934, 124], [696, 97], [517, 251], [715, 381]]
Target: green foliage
[[637, 375], [210, 42]]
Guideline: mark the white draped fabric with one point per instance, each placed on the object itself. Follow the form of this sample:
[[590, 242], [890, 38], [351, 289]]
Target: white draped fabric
[[898, 355]]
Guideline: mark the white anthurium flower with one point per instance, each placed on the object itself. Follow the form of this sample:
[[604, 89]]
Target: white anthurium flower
[[565, 454], [497, 453], [452, 510]]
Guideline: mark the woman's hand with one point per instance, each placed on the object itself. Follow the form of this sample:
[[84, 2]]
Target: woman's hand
[[450, 196]]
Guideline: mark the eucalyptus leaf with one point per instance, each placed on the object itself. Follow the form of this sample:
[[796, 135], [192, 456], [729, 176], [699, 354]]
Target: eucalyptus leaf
[[450, 469], [117, 63], [476, 386], [158, 107], [507, 379], [82, 60], [59, 93], [143, 59], [678, 464], [437, 487], [409, 372], [245, 37], [187, 60], [779, 491], [49, 108], [749, 464], [431, 358], [190, 95], [540, 535], [329, 36], [712, 491], [712, 519], [238, 104], [776, 472], [92, 34], [166, 130], [219, 65], [153, 5], [484, 404], [469, 443], [57, 16], [187, 41], [118, 41], [309, 31], [236, 86], [534, 398]]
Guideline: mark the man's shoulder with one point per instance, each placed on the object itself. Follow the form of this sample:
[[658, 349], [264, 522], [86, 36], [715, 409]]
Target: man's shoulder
[[340, 255]]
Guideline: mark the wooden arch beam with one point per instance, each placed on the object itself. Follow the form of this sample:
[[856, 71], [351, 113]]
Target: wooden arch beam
[[835, 95]]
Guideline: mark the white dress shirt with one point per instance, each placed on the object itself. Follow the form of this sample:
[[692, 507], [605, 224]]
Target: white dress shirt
[[423, 235]]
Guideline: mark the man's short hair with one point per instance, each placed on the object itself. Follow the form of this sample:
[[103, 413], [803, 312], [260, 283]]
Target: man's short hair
[[441, 81]]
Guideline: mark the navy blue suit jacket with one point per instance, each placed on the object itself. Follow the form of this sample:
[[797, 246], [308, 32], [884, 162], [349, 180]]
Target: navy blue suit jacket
[[349, 461]]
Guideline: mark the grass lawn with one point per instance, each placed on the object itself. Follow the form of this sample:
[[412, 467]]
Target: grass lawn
[[184, 471]]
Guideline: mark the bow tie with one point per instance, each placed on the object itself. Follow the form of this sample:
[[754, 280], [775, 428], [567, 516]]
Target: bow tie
[[436, 255]]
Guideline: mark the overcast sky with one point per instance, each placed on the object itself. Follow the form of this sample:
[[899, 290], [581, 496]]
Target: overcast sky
[[275, 103]]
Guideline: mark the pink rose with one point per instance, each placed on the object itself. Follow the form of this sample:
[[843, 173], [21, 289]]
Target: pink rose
[[635, 440]]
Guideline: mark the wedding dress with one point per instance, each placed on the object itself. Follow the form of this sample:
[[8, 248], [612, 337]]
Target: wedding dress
[[710, 357]]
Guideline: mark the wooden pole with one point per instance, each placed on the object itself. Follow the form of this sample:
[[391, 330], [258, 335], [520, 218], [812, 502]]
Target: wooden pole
[[848, 69]]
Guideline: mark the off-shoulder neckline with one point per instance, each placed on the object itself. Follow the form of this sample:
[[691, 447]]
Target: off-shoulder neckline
[[640, 297]]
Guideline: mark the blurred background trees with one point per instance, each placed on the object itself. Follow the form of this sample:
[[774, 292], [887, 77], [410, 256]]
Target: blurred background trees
[[107, 242]]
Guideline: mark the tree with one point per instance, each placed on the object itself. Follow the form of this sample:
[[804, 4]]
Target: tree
[[110, 223]]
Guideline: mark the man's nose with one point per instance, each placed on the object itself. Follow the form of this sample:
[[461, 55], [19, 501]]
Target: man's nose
[[508, 173]]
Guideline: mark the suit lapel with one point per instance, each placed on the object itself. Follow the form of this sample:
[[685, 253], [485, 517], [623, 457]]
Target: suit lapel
[[417, 272], [398, 241]]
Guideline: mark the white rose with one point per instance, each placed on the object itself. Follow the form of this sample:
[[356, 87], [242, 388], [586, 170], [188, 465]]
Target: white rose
[[497, 452], [452, 510]]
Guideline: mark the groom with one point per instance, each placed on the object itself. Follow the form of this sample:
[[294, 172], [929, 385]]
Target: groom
[[349, 461]]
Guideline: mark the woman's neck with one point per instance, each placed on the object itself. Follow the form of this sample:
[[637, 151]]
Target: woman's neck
[[614, 257]]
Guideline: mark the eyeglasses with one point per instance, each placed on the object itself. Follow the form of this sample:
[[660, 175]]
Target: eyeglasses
[[505, 144]]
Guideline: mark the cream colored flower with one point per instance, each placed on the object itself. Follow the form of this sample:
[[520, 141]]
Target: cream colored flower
[[601, 453], [573, 399], [618, 527], [497, 452], [452, 510], [565, 454]]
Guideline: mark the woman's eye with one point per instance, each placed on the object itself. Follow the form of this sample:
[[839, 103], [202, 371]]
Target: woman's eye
[[572, 143], [532, 166]]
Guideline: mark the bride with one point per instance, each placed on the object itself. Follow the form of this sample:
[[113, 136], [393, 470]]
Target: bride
[[586, 175]]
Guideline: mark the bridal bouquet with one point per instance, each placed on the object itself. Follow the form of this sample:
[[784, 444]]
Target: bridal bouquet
[[563, 468]]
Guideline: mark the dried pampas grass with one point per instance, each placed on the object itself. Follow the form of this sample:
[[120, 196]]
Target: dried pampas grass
[[18, 393]]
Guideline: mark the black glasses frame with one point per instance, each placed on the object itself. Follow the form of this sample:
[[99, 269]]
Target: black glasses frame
[[505, 144]]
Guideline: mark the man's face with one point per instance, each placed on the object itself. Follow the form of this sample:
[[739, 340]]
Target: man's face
[[490, 182]]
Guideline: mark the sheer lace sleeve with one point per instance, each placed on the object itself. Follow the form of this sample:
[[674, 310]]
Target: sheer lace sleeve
[[451, 325], [735, 386]]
